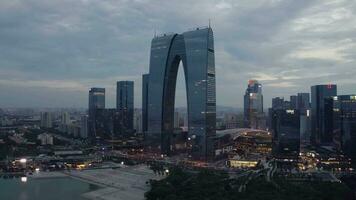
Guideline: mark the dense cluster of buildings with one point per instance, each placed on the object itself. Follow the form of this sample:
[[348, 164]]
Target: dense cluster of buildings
[[328, 122], [109, 123], [323, 119], [319, 119]]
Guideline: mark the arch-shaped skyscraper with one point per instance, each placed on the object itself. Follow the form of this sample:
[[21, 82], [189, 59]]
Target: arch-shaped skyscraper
[[196, 51]]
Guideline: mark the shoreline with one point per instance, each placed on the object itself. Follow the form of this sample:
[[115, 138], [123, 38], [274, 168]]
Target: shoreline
[[123, 183]]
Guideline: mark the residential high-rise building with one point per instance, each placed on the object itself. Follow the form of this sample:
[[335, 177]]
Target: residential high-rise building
[[65, 121], [253, 104], [195, 49], [65, 118], [125, 105], [145, 80], [321, 132], [96, 101], [46, 120], [286, 133]]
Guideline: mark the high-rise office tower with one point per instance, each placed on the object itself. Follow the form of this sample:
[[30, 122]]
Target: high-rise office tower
[[303, 106], [195, 49], [84, 126], [321, 132], [107, 124], [303, 101], [125, 104], [253, 104], [96, 101], [138, 121], [176, 119], [145, 80], [278, 103], [286, 133], [344, 107], [293, 102], [46, 120]]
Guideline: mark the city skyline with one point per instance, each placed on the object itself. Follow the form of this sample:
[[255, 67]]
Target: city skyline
[[301, 43]]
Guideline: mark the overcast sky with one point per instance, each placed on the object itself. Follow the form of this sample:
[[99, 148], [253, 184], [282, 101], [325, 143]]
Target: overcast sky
[[52, 52]]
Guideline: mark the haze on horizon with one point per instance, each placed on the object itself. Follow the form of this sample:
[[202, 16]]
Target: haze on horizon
[[52, 52]]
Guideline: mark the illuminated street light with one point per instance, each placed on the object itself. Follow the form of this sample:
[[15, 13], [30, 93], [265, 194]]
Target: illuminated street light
[[37, 170], [23, 160], [24, 179]]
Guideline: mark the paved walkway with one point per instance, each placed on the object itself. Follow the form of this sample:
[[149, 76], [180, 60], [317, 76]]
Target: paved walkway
[[120, 184]]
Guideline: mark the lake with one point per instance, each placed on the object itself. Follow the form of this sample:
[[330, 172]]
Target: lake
[[44, 189]]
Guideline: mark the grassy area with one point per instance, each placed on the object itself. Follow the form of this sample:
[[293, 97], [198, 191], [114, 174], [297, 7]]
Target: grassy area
[[205, 185]]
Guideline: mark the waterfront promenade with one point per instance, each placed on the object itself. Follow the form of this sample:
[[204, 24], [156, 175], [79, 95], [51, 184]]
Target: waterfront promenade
[[126, 183]]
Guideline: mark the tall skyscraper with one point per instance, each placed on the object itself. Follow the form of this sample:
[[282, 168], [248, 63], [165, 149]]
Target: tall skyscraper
[[286, 133], [196, 51], [303, 101], [253, 104], [176, 119], [321, 133], [125, 105], [145, 80], [138, 120], [96, 101], [345, 124], [107, 124], [293, 102], [46, 120], [278, 103], [84, 126], [303, 106]]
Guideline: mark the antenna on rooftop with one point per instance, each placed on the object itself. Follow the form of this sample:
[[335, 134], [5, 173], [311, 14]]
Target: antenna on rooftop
[[209, 22]]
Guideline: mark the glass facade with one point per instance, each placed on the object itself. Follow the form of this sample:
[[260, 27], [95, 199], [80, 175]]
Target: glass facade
[[278, 103], [107, 124], [293, 101], [96, 101], [195, 49], [145, 80], [125, 104], [286, 133], [344, 107], [321, 132], [253, 104], [303, 101]]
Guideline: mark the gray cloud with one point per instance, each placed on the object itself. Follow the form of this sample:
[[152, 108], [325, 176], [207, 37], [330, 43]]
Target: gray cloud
[[52, 52]]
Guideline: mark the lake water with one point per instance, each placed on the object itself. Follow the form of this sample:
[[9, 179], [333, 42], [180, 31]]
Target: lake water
[[44, 189]]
